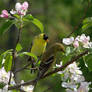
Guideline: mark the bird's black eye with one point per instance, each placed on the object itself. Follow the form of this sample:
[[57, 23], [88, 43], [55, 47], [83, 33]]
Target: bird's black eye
[[45, 37]]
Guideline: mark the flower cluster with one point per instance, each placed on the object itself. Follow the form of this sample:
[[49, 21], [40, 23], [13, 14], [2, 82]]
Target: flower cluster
[[4, 76], [79, 40], [20, 9], [73, 80], [4, 79]]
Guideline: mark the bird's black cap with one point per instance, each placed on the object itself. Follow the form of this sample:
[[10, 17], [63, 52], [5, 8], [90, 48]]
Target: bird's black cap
[[45, 37]]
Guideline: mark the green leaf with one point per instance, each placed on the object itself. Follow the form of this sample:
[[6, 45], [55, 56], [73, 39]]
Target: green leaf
[[87, 23], [38, 63], [88, 61], [17, 16], [18, 47], [87, 20], [34, 21], [86, 26], [29, 17], [8, 51], [38, 24], [29, 54], [8, 63], [1, 59], [3, 55], [5, 26]]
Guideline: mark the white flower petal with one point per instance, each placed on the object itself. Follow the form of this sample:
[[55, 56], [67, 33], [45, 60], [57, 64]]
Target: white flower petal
[[13, 12], [68, 41], [18, 6]]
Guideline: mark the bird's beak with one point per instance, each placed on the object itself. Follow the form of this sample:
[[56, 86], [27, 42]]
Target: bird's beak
[[47, 40]]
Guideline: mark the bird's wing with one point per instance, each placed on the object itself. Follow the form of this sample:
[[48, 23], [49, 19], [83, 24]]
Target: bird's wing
[[44, 66]]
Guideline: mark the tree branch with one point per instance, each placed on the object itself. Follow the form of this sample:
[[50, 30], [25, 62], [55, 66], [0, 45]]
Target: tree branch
[[31, 82], [68, 63]]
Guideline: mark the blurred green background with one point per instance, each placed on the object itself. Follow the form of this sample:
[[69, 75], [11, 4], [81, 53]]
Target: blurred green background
[[59, 17]]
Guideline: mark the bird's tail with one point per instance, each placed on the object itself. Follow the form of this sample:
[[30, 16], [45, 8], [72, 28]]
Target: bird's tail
[[42, 70]]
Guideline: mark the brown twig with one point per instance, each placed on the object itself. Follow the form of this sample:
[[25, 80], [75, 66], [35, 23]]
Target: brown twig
[[25, 67], [10, 78], [31, 82], [82, 18]]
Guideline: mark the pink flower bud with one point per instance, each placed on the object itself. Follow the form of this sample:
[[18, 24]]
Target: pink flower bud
[[4, 14], [25, 6], [76, 44]]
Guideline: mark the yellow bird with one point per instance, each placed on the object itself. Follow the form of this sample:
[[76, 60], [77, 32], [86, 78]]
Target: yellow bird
[[38, 47], [39, 44]]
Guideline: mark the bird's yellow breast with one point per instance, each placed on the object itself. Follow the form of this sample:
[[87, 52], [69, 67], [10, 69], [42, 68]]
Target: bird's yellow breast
[[38, 47]]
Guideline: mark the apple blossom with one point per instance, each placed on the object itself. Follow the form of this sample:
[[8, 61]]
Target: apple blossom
[[70, 85], [68, 41], [72, 78], [84, 87], [21, 9], [18, 6], [69, 90], [24, 6], [84, 39], [74, 69], [4, 76], [4, 14]]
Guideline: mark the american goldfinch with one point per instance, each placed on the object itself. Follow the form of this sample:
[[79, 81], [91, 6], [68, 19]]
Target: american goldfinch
[[38, 47], [48, 58], [39, 44]]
